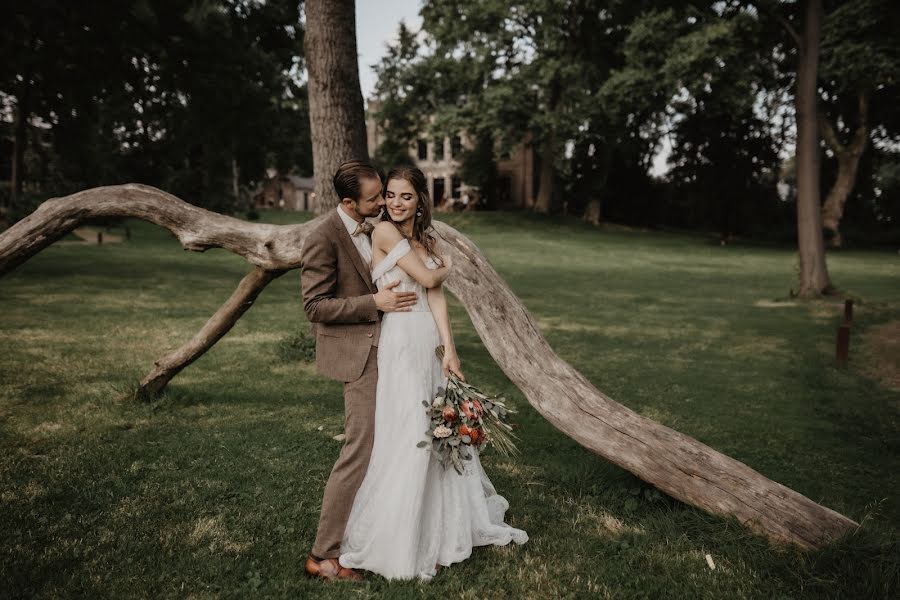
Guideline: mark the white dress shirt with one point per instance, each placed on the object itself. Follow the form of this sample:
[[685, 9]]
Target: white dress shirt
[[362, 242]]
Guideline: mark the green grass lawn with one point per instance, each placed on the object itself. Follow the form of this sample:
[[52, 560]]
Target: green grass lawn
[[213, 490]]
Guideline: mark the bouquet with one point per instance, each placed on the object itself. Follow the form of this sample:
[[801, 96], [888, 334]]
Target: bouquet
[[462, 418]]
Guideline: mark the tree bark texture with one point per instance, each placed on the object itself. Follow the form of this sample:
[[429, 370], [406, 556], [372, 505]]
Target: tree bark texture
[[336, 115], [848, 165], [675, 463], [544, 200], [811, 245], [20, 143], [236, 181], [593, 213], [212, 331]]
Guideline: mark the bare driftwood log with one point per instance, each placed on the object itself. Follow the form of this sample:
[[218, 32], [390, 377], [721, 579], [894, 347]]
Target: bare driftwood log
[[675, 463], [273, 249], [218, 325]]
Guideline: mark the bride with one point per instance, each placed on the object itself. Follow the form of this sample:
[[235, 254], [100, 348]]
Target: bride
[[411, 515]]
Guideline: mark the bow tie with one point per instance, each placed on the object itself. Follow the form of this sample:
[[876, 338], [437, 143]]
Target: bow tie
[[364, 227]]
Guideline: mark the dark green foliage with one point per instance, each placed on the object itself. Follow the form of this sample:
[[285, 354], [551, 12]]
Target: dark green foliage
[[861, 56], [173, 94], [479, 168], [399, 91], [599, 87], [297, 347], [695, 77]]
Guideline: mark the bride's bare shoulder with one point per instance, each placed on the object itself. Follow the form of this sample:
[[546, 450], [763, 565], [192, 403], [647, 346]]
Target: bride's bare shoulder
[[386, 230], [385, 236]]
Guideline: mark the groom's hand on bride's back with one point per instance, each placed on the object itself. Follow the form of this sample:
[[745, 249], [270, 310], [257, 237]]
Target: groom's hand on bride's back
[[387, 300]]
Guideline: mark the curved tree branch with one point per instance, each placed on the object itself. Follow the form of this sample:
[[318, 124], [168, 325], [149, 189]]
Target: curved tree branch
[[272, 247], [848, 156], [212, 331], [830, 135], [675, 463]]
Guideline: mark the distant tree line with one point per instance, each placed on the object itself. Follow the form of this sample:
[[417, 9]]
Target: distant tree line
[[197, 97], [599, 86]]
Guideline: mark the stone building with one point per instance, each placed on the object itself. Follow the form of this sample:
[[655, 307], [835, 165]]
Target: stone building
[[439, 159]]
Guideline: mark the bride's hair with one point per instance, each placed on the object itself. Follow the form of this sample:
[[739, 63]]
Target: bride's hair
[[422, 230]]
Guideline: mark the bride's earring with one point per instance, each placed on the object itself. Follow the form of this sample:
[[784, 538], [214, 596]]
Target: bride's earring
[[419, 212]]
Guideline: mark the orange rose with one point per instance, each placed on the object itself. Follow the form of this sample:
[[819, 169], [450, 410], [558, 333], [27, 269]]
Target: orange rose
[[449, 414], [473, 433], [472, 409]]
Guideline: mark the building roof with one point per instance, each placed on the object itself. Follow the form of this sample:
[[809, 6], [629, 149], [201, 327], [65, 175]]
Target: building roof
[[302, 183]]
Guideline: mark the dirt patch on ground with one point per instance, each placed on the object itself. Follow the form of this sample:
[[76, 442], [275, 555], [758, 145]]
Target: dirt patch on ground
[[883, 344], [774, 303]]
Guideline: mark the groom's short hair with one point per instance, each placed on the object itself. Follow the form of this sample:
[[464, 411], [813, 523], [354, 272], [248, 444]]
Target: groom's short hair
[[346, 179]]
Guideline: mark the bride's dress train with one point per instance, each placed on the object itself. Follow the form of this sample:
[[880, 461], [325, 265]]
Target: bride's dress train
[[410, 513]]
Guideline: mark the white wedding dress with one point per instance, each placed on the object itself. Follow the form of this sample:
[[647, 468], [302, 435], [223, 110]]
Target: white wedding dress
[[411, 513]]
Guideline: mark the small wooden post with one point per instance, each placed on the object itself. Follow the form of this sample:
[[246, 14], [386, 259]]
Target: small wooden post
[[843, 344], [99, 238], [842, 354]]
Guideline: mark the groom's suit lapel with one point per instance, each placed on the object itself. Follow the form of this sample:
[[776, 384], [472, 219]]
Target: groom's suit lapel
[[350, 248]]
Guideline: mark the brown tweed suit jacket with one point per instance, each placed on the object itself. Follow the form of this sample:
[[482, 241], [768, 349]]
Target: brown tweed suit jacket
[[337, 298]]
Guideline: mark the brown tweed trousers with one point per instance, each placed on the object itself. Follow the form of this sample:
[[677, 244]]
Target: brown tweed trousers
[[338, 299]]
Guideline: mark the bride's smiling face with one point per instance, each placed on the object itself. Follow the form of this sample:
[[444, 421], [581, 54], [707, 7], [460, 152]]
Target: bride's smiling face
[[401, 200]]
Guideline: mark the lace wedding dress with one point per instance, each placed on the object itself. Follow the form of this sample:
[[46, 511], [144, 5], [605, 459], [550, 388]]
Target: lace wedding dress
[[410, 513]]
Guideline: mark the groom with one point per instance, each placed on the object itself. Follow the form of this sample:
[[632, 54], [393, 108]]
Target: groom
[[343, 303]]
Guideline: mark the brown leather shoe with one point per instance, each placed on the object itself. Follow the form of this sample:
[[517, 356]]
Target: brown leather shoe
[[330, 569]]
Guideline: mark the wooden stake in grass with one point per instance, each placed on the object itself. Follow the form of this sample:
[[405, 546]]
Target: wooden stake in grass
[[671, 461], [842, 353], [843, 345]]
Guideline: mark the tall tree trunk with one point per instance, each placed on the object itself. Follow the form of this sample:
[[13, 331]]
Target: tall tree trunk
[[848, 165], [20, 143], [675, 463], [336, 113], [593, 212], [544, 200], [813, 270], [236, 183]]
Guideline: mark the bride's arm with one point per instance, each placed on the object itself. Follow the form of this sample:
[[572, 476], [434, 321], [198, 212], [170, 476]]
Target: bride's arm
[[386, 236], [438, 304]]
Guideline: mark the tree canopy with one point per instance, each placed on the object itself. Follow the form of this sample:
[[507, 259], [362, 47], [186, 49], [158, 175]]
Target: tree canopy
[[602, 89], [191, 96]]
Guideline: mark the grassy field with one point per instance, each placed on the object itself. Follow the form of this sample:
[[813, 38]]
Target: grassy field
[[213, 490]]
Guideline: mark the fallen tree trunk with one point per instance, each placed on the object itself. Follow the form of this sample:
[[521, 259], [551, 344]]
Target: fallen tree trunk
[[675, 463], [271, 247], [218, 325]]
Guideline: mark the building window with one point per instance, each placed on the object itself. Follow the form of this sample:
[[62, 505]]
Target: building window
[[438, 149], [455, 147], [455, 184], [423, 150]]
